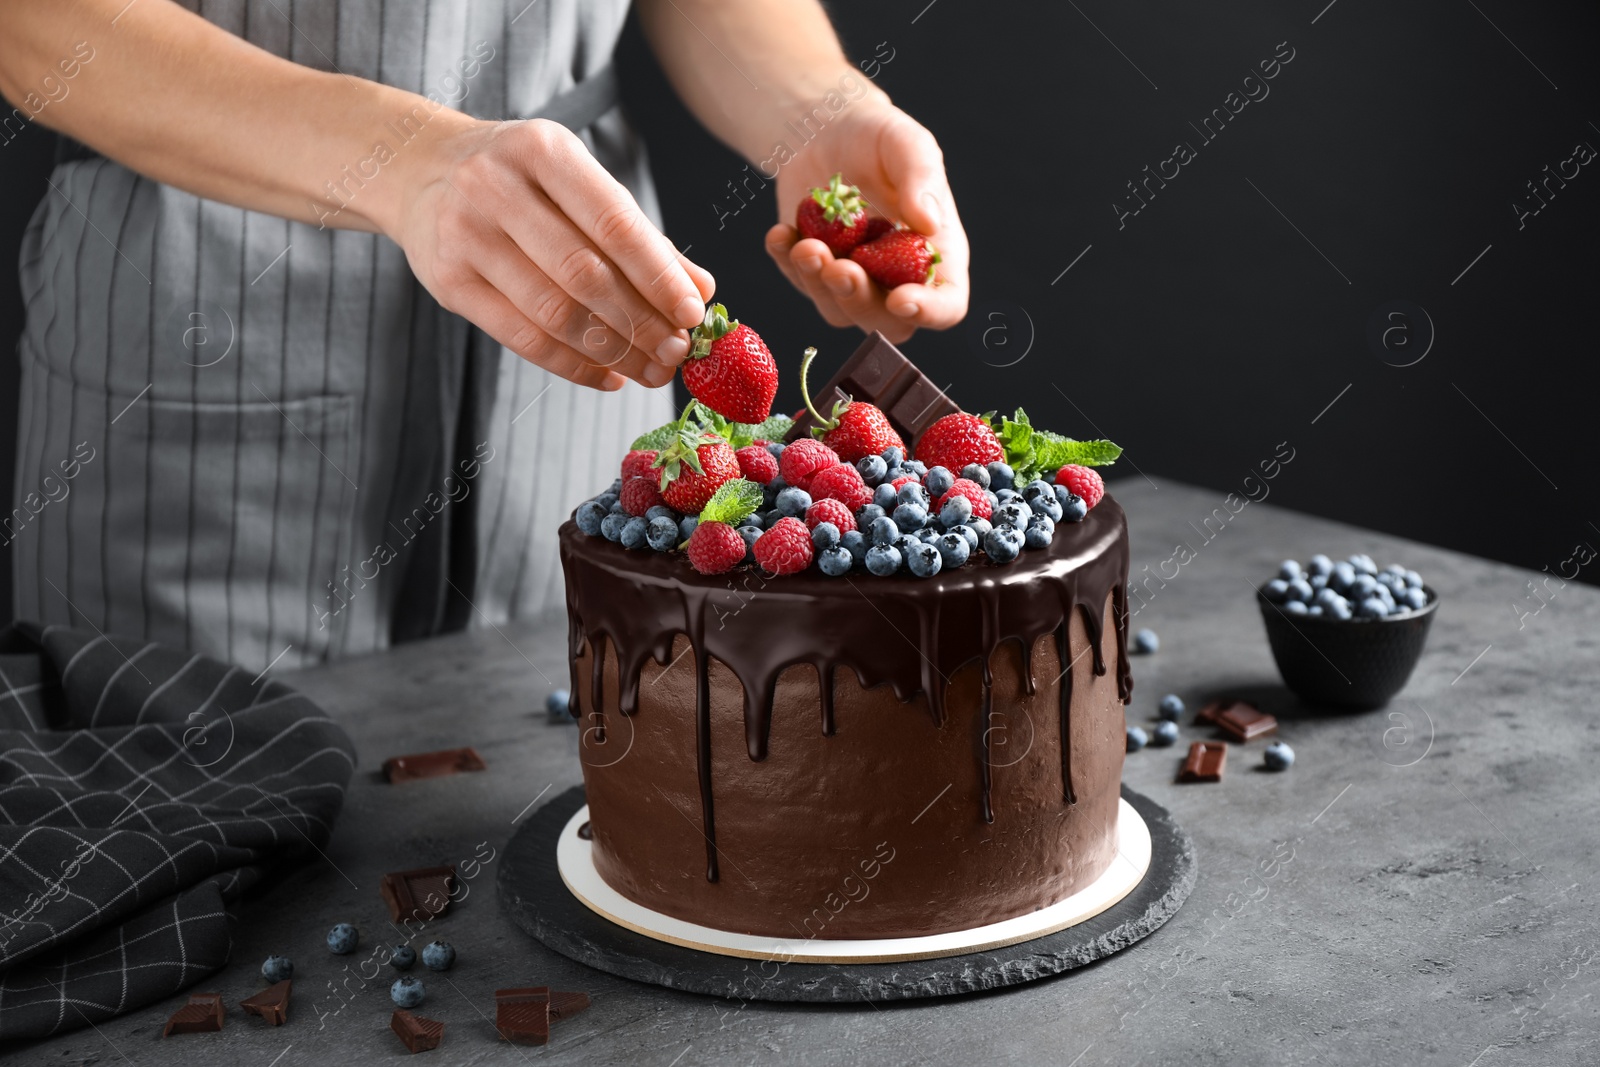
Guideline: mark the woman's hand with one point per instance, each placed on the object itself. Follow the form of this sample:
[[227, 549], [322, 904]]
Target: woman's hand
[[900, 170], [517, 227]]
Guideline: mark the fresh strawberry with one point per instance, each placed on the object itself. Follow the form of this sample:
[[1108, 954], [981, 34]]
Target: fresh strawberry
[[959, 439], [757, 464], [855, 430], [976, 495], [785, 548], [833, 215], [1085, 481], [715, 548], [637, 463], [877, 226], [841, 482], [730, 370], [803, 459], [639, 495], [899, 257], [834, 511], [693, 467]]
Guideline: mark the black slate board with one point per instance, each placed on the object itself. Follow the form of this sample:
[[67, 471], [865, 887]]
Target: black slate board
[[538, 901]]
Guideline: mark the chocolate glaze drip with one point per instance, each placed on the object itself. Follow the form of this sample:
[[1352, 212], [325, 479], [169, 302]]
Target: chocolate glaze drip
[[638, 602]]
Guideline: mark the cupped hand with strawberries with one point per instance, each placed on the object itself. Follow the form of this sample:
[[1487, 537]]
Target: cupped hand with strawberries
[[897, 170]]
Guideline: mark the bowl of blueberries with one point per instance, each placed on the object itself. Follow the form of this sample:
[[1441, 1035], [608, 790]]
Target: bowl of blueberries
[[1346, 633]]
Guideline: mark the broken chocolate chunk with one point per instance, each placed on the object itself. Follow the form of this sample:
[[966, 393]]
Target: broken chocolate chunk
[[563, 1005], [1239, 719], [522, 1016], [1204, 762], [879, 373], [419, 1034], [431, 764], [586, 831], [272, 1003], [202, 1015], [421, 894]]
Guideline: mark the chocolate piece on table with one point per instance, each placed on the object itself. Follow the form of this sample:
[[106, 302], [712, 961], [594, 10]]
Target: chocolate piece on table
[[1239, 719], [272, 1003], [563, 1005], [202, 1015], [879, 373], [431, 764], [1204, 762], [419, 1034], [421, 894], [522, 1016]]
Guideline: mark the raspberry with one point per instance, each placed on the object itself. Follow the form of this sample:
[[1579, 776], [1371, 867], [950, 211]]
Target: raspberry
[[976, 495], [715, 547], [636, 464], [1085, 481], [786, 548], [757, 464], [957, 440], [841, 482], [804, 458], [639, 495], [831, 510]]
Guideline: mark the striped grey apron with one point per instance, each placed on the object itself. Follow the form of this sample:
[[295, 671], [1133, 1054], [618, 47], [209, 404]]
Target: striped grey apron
[[266, 442]]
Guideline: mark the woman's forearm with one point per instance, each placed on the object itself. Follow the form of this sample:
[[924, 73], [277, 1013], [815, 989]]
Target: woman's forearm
[[182, 101]]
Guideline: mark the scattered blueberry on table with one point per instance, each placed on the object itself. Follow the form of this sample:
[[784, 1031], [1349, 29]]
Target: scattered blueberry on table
[[1164, 734], [558, 705], [277, 968], [1171, 707], [343, 939], [1146, 641], [403, 957], [1278, 756], [1137, 738], [1352, 588], [407, 991], [438, 955]]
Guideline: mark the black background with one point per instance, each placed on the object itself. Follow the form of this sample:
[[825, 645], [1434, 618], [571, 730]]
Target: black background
[[1214, 324]]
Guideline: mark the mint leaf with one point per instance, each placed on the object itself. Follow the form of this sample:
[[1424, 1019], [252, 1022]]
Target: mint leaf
[[732, 501], [775, 428], [1053, 451], [656, 439], [1016, 437]]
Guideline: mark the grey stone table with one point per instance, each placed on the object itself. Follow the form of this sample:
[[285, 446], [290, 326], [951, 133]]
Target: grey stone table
[[1419, 889]]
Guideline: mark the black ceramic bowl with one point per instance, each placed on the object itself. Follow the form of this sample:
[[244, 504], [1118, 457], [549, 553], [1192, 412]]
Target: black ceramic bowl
[[1349, 663]]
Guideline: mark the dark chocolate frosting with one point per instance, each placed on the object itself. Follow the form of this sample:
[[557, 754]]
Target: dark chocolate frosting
[[637, 602]]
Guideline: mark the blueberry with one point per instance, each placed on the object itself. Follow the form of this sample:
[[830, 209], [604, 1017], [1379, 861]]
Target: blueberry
[[1046, 504], [1320, 564], [884, 496], [776, 448], [1001, 476], [968, 534], [793, 502], [686, 526], [980, 529], [1372, 608], [905, 543], [343, 939], [1300, 590], [917, 467], [869, 515], [751, 535], [661, 511], [1004, 495], [1326, 598], [1036, 488], [607, 500], [1315, 611], [1146, 641], [558, 705], [1074, 508], [1013, 513], [1278, 756], [956, 510], [1040, 531], [1001, 544], [773, 488], [1277, 590], [615, 488], [407, 991], [939, 480], [883, 560], [884, 531], [835, 561], [1363, 563], [1338, 609], [662, 534], [893, 456], [1413, 579], [618, 509], [1343, 577], [855, 543], [974, 472], [1164, 734], [1289, 570], [1415, 599], [928, 535], [910, 517], [758, 520], [824, 535], [994, 500], [913, 493], [1296, 607], [1137, 738], [590, 515], [1171, 706], [954, 547], [872, 469], [439, 956], [611, 526], [277, 968], [1319, 582], [925, 561], [402, 957], [635, 533]]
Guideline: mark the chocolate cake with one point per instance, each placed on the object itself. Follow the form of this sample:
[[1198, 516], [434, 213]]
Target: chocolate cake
[[856, 756]]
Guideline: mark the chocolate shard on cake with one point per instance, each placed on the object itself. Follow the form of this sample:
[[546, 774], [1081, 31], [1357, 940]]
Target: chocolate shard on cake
[[271, 1004], [879, 373]]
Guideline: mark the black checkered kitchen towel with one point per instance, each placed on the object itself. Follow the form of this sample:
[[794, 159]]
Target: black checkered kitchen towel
[[142, 789]]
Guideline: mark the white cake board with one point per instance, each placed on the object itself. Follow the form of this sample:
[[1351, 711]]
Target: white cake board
[[574, 859]]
